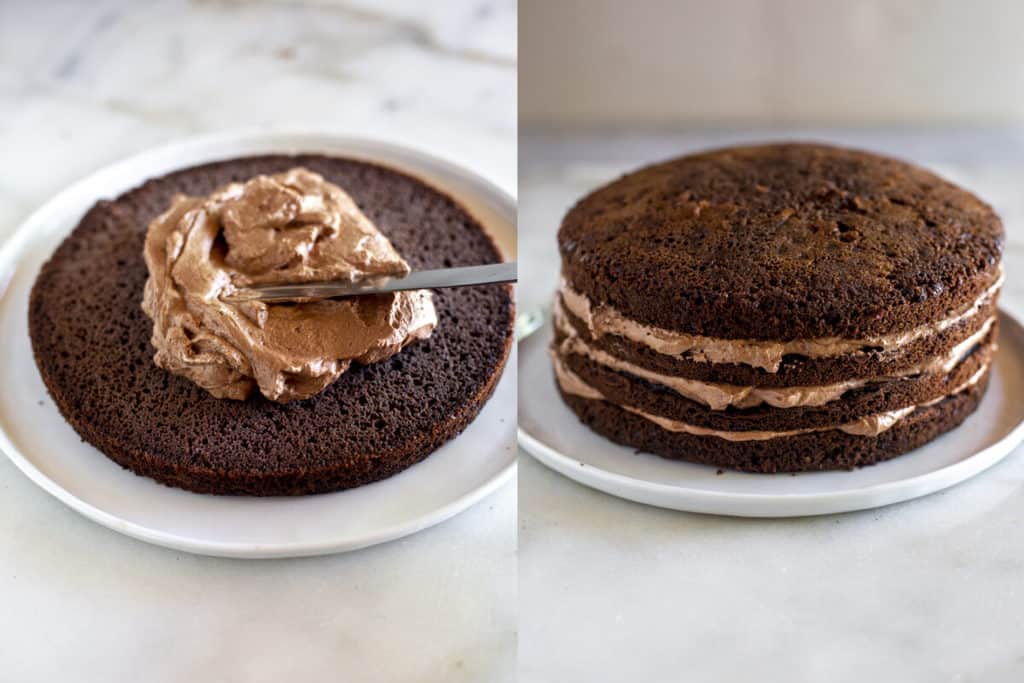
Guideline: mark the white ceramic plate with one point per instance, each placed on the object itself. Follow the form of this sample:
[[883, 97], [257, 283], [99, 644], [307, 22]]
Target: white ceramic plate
[[43, 446], [553, 434]]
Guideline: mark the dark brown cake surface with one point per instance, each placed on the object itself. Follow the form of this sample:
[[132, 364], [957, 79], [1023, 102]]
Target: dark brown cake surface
[[91, 343], [782, 242]]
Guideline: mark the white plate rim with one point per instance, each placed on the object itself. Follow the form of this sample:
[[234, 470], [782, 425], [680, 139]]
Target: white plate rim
[[758, 505], [279, 141]]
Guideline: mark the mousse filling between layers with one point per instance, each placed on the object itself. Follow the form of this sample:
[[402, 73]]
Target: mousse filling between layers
[[602, 319], [871, 425], [288, 227], [718, 396]]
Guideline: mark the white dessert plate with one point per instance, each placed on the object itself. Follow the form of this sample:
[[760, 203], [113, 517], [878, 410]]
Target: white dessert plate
[[38, 440], [553, 434]]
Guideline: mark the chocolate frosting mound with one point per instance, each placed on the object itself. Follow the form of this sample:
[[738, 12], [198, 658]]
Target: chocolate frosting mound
[[289, 227]]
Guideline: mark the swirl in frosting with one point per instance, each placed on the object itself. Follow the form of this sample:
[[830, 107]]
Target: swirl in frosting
[[289, 227]]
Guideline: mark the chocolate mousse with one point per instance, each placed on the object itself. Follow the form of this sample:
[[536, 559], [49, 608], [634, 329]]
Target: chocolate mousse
[[777, 308], [288, 227]]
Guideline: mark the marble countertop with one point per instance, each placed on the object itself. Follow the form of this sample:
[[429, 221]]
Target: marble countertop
[[611, 590], [84, 84]]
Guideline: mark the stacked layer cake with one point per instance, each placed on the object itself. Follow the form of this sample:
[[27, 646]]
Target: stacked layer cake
[[777, 308]]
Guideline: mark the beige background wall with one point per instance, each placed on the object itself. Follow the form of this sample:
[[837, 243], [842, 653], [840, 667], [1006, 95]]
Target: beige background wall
[[785, 61]]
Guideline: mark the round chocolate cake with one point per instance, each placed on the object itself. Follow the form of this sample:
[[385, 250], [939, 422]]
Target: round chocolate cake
[[91, 341], [777, 308]]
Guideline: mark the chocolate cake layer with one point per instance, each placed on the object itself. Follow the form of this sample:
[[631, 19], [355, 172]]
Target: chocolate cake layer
[[625, 389], [825, 450], [782, 242], [91, 343], [794, 370]]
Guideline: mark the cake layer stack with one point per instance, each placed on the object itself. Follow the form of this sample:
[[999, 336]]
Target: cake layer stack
[[777, 308]]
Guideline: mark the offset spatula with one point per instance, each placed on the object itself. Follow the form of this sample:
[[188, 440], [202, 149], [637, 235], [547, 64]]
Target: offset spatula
[[422, 279]]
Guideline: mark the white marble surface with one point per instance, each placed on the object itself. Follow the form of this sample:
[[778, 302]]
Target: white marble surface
[[85, 83], [610, 590]]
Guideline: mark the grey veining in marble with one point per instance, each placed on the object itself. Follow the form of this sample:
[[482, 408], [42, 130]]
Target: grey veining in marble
[[84, 83]]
